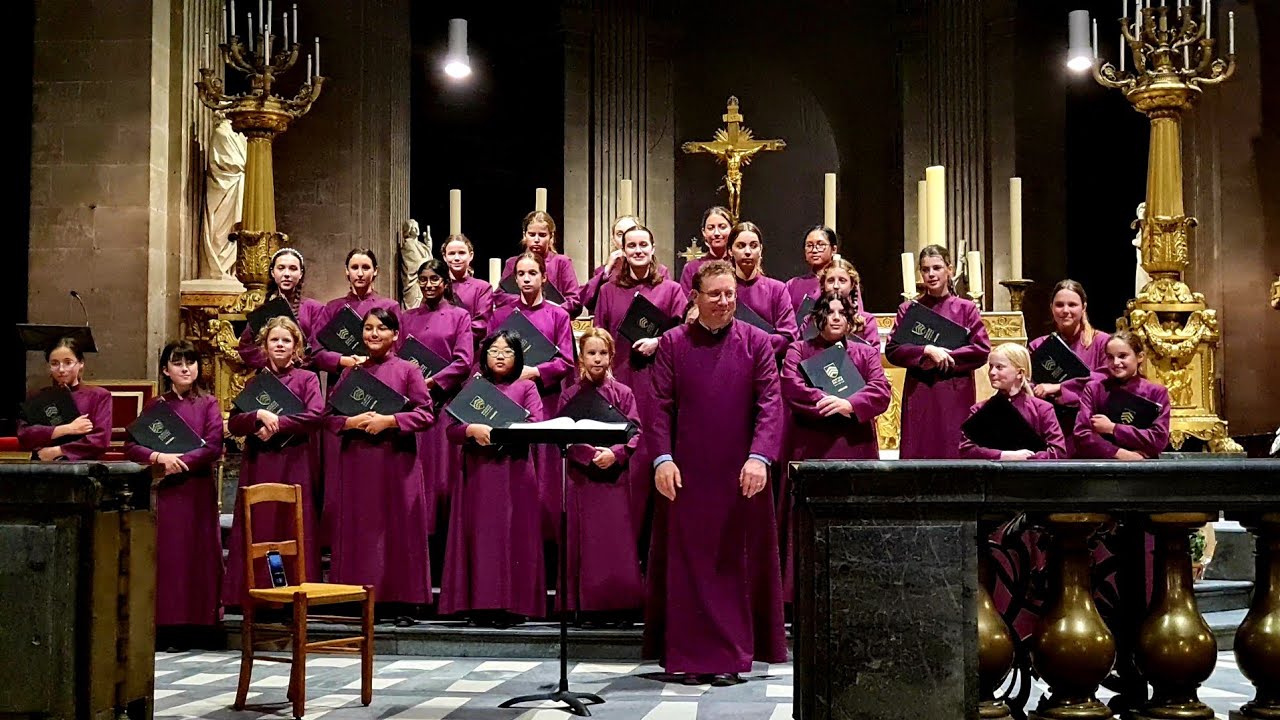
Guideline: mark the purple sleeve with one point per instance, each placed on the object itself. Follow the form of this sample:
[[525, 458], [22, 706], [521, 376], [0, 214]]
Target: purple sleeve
[[330, 419], [309, 419], [241, 423], [326, 360], [417, 416], [1153, 440], [870, 331], [591, 291], [566, 281], [34, 437], [456, 431], [211, 430], [1050, 432], [799, 396], [768, 421], [93, 445], [250, 354], [1090, 444], [686, 278], [972, 451], [481, 312], [873, 399], [784, 322], [552, 372], [533, 403], [627, 406], [972, 356], [904, 356], [662, 386], [464, 354]]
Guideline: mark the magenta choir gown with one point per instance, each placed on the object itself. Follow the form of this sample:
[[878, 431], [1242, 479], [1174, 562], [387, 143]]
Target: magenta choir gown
[[801, 285], [446, 331], [90, 400], [813, 437], [559, 273], [308, 313], [296, 463], [493, 558], [714, 594], [552, 321], [603, 568], [768, 298], [633, 370], [935, 403], [476, 297], [591, 291], [188, 533], [1148, 442], [381, 527], [1038, 414], [328, 361], [691, 269], [1067, 403]]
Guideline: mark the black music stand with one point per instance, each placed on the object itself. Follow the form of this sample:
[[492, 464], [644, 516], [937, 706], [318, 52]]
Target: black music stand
[[561, 437]]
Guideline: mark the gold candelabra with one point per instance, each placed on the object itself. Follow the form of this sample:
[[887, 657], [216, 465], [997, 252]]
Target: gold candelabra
[[1174, 55]]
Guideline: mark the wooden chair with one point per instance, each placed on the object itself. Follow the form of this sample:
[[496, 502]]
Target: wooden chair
[[302, 596]]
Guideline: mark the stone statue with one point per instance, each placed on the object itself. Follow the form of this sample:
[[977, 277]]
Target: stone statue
[[415, 249], [223, 201], [1140, 277]]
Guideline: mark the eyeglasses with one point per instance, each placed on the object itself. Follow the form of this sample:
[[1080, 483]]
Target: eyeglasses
[[66, 365], [817, 246], [501, 353], [433, 280]]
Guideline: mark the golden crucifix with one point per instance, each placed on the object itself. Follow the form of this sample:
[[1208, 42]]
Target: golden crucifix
[[734, 146]]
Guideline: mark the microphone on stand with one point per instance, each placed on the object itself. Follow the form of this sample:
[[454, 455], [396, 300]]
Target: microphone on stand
[[83, 311]]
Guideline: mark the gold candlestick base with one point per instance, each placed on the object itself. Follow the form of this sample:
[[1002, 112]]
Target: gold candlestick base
[[976, 297], [1017, 289]]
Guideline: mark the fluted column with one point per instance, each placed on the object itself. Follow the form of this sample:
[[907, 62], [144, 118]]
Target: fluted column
[[1257, 646]]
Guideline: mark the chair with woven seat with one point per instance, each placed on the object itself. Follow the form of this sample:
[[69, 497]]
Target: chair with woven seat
[[301, 596]]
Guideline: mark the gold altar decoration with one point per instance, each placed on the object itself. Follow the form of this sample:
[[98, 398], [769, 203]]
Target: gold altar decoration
[[735, 146], [1275, 294], [260, 115], [1017, 292], [1173, 58]]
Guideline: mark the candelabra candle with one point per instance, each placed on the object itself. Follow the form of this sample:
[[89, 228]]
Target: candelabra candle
[[284, 28], [233, 19], [1231, 34], [250, 23], [295, 25], [317, 56]]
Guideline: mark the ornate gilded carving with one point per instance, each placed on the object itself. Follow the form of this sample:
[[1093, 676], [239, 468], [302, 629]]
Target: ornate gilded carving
[[734, 146], [693, 252], [1275, 294], [1164, 243]]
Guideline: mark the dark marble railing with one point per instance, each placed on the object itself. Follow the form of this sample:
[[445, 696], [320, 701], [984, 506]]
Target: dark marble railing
[[894, 617]]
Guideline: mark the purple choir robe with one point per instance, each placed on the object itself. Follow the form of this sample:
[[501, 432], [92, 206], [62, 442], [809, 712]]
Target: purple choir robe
[[297, 463], [446, 331], [1068, 400], [633, 370], [603, 569], [714, 595], [90, 400], [493, 558], [476, 297], [559, 273], [870, 332], [1038, 414], [768, 298], [328, 360], [813, 437], [807, 284], [935, 403], [308, 313], [380, 531], [552, 321], [1149, 442], [691, 269], [188, 533], [591, 291]]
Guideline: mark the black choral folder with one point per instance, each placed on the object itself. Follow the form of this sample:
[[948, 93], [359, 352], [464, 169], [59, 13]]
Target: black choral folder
[[832, 372], [424, 357], [160, 429], [361, 392], [264, 391], [537, 348], [644, 320], [550, 292], [591, 405], [1054, 362], [344, 333], [751, 317], [481, 402], [999, 426], [1125, 408], [52, 406], [922, 326], [278, 307]]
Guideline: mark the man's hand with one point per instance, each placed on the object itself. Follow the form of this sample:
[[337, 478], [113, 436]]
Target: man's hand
[[753, 477], [667, 479]]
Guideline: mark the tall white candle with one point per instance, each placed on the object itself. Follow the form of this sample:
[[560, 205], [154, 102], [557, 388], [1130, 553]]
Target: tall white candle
[[973, 270], [269, 18], [908, 273], [295, 23], [626, 197], [495, 272], [285, 28], [205, 57], [922, 214], [936, 177], [1231, 33], [309, 75], [261, 16], [829, 200], [250, 31], [1124, 13], [1094, 38], [317, 56], [540, 199], [1015, 228], [455, 212], [1208, 19], [233, 18]]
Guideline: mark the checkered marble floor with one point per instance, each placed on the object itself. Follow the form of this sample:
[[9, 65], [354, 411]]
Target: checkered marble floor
[[202, 685]]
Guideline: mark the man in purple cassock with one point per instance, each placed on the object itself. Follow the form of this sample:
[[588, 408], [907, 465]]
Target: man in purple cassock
[[714, 585]]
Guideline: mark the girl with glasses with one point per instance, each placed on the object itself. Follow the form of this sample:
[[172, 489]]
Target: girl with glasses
[[87, 436]]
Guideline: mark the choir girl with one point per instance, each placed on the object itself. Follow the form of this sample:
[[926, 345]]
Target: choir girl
[[1009, 370], [766, 296], [539, 238], [1099, 437], [91, 428], [380, 528], [493, 567], [188, 538], [820, 249], [614, 265], [362, 270], [716, 223], [292, 459], [288, 270], [1070, 309], [840, 277], [939, 388], [474, 295]]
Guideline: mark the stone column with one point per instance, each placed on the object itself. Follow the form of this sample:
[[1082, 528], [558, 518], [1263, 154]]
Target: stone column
[[101, 178]]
